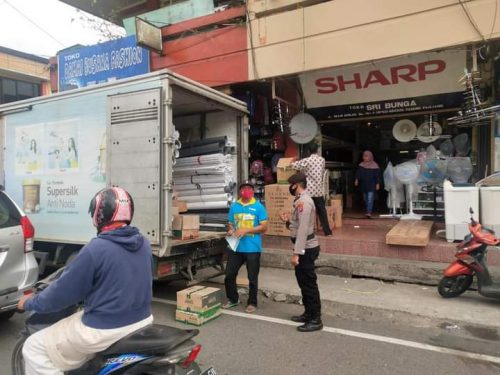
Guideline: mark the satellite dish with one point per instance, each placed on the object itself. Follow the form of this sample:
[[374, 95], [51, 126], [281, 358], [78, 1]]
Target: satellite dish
[[404, 130], [429, 132], [303, 128]]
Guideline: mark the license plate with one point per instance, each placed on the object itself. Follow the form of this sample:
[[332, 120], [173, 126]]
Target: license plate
[[210, 371]]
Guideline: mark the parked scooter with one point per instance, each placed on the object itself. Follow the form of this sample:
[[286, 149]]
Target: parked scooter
[[471, 261], [155, 349]]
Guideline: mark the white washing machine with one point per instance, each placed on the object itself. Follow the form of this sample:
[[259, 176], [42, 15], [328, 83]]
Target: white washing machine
[[457, 202], [490, 208]]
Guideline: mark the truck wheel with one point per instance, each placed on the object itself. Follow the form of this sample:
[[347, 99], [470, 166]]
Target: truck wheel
[[17, 361], [450, 287], [7, 315]]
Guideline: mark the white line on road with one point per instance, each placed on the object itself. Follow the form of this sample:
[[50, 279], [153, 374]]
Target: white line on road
[[360, 335]]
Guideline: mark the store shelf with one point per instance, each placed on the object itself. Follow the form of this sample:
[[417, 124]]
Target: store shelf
[[330, 142], [338, 165]]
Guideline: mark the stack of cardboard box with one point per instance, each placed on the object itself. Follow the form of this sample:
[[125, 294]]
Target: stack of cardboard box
[[278, 200], [186, 227], [198, 305]]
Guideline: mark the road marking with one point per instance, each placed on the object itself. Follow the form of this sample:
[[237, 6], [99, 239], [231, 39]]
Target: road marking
[[360, 335]]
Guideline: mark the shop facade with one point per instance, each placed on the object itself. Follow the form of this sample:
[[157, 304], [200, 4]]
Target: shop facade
[[345, 63]]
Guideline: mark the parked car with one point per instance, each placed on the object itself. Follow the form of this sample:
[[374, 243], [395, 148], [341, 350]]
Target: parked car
[[18, 266]]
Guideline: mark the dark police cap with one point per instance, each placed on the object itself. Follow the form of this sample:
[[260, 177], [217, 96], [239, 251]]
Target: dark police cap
[[297, 178]]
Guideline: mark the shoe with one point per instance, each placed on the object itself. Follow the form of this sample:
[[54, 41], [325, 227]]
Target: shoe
[[300, 319], [311, 326], [229, 304], [250, 309]]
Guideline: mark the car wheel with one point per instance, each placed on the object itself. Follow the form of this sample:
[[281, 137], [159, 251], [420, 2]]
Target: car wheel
[[7, 315]]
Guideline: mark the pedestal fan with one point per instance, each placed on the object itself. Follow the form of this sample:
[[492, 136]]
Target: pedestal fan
[[407, 174], [459, 170], [433, 173]]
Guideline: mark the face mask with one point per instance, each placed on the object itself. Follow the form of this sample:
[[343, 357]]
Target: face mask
[[292, 189], [246, 194]]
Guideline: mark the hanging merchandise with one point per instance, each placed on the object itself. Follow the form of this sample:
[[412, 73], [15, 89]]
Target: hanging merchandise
[[404, 130], [278, 142], [429, 132], [257, 168], [268, 176]]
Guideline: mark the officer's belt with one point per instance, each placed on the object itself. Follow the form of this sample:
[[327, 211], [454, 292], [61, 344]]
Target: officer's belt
[[309, 237]]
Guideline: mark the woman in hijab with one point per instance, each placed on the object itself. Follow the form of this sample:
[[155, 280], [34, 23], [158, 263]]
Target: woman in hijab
[[368, 180]]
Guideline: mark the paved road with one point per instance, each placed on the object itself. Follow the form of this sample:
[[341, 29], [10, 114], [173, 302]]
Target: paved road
[[241, 344]]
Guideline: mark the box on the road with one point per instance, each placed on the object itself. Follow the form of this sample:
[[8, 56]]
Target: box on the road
[[199, 299], [197, 319]]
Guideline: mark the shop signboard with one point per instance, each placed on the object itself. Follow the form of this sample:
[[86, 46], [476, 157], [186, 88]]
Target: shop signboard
[[416, 83], [101, 63]]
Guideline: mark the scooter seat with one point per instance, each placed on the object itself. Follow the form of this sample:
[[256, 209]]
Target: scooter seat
[[151, 340]]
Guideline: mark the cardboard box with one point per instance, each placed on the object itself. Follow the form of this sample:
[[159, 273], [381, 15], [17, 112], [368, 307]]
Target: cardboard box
[[182, 222], [337, 211], [199, 299], [278, 200], [186, 227], [186, 234], [181, 205], [285, 170], [197, 319], [334, 213]]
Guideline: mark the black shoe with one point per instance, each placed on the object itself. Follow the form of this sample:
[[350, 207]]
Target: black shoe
[[300, 319], [311, 326]]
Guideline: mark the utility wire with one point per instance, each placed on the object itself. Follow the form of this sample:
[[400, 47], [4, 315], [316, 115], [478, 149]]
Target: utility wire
[[33, 22]]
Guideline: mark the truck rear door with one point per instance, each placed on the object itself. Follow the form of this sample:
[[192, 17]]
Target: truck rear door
[[134, 152]]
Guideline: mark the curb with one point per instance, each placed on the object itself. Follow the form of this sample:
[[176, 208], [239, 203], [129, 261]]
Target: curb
[[387, 269], [371, 314]]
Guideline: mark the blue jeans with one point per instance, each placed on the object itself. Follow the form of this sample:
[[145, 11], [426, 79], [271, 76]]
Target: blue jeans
[[369, 200]]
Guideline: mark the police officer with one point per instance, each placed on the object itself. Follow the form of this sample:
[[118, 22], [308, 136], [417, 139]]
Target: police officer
[[305, 252]]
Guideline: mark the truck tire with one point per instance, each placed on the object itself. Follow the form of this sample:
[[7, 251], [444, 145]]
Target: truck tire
[[17, 360], [7, 315]]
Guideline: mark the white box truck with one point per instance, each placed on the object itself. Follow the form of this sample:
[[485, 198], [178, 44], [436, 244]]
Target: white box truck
[[59, 150]]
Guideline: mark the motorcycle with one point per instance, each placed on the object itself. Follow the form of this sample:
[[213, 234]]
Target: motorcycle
[[155, 349], [471, 261]]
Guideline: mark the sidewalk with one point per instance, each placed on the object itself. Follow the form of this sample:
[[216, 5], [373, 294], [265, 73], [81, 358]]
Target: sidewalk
[[374, 300]]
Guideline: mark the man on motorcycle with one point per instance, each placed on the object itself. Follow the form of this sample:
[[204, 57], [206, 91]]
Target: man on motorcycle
[[111, 275]]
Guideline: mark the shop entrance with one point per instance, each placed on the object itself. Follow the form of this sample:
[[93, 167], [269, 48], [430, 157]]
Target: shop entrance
[[394, 140]]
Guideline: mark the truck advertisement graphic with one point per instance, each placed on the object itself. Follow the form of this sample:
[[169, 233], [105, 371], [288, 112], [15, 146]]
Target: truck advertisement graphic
[[53, 168]]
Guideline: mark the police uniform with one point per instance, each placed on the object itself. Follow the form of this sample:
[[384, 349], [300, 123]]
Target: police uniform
[[306, 246]]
